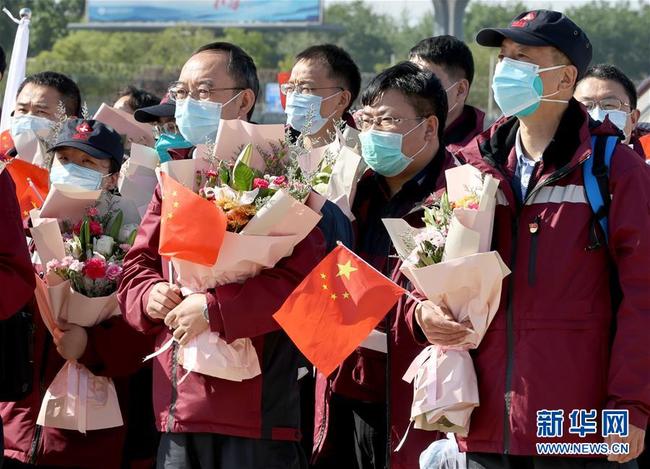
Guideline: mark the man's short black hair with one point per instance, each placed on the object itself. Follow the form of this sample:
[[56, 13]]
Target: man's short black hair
[[340, 63], [138, 98], [448, 52], [241, 66], [66, 87], [610, 72], [422, 89], [3, 62]]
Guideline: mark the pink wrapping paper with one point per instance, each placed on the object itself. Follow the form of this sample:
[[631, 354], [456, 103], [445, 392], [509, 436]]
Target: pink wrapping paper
[[232, 133], [278, 229], [125, 124], [78, 400]]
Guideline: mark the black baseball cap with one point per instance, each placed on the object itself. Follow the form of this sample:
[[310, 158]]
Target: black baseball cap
[[544, 28], [166, 108], [93, 137]]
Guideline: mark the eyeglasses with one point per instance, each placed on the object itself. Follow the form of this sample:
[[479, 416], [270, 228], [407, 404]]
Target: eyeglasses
[[286, 88], [166, 128], [179, 93], [607, 104], [383, 123]]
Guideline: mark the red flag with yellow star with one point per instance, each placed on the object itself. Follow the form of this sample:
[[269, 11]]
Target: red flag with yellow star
[[191, 227], [6, 143], [32, 184], [335, 308]]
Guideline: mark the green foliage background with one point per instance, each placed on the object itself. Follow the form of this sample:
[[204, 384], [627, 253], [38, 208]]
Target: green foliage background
[[103, 62]]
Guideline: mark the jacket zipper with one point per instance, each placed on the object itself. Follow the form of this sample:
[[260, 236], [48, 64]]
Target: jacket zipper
[[534, 228], [174, 380], [509, 312], [33, 449]]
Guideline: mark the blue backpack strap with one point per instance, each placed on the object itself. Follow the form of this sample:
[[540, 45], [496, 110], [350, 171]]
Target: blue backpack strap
[[595, 172]]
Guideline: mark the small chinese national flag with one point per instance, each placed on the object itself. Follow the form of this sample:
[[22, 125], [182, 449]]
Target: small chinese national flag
[[335, 308], [6, 143], [191, 227], [645, 145], [32, 184]]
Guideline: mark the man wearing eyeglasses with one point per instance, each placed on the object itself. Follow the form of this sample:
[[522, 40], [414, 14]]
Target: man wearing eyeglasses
[[170, 144], [402, 124], [607, 92], [324, 84], [209, 422]]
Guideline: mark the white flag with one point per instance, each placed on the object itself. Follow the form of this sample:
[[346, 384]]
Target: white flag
[[17, 66]]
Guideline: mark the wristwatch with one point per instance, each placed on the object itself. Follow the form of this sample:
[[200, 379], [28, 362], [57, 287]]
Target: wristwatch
[[205, 313]]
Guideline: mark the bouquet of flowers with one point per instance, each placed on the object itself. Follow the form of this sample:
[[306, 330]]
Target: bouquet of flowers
[[449, 263], [83, 265], [333, 171], [267, 208]]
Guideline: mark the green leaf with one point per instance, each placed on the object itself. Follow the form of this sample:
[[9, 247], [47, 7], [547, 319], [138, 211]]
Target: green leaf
[[116, 225], [242, 173], [132, 236], [84, 237]]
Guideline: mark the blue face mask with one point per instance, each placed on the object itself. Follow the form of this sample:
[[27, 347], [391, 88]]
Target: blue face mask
[[383, 151], [76, 175], [303, 108], [198, 121], [518, 87], [39, 125], [169, 142]]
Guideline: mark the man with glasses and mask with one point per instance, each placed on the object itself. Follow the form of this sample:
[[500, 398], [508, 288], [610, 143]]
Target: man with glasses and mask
[[565, 359], [207, 422], [402, 123], [170, 144], [607, 92], [449, 59], [323, 85]]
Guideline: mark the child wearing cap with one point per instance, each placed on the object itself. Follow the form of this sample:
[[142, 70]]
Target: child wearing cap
[[88, 154]]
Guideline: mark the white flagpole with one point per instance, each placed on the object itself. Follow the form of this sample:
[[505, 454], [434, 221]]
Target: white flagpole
[[17, 65]]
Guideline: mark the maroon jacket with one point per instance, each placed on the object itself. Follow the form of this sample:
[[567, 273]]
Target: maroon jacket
[[266, 406], [549, 345], [362, 375], [114, 350], [16, 273], [464, 129]]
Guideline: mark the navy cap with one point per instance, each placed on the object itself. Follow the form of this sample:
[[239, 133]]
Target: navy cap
[[90, 136], [166, 108], [544, 28]]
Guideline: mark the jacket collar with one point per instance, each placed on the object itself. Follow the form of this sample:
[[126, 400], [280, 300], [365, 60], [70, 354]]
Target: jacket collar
[[467, 126]]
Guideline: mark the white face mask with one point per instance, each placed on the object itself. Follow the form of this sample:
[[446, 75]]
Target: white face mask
[[618, 118], [447, 91]]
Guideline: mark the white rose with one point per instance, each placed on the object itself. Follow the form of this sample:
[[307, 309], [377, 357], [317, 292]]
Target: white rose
[[105, 245], [126, 231]]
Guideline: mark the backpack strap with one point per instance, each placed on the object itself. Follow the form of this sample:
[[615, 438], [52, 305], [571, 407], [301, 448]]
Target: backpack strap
[[595, 172]]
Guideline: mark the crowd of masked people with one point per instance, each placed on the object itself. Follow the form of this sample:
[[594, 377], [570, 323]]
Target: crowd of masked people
[[565, 336]]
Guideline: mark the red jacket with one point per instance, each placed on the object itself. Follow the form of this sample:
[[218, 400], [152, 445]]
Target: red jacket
[[16, 273], [114, 350], [549, 344], [464, 129], [266, 406]]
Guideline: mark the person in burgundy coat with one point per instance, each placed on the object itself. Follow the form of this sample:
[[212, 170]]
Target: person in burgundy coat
[[407, 105]]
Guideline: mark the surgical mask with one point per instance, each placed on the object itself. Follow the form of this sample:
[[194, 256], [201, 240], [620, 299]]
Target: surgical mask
[[447, 91], [383, 151], [303, 110], [24, 123], [76, 175], [616, 117], [518, 87], [198, 121], [168, 142]]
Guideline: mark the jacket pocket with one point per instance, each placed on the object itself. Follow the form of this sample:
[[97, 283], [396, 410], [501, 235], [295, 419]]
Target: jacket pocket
[[534, 229]]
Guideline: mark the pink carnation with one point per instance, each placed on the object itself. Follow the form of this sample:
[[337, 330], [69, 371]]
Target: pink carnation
[[125, 247], [53, 265], [113, 272], [93, 212], [280, 180], [95, 228], [95, 268], [259, 183]]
